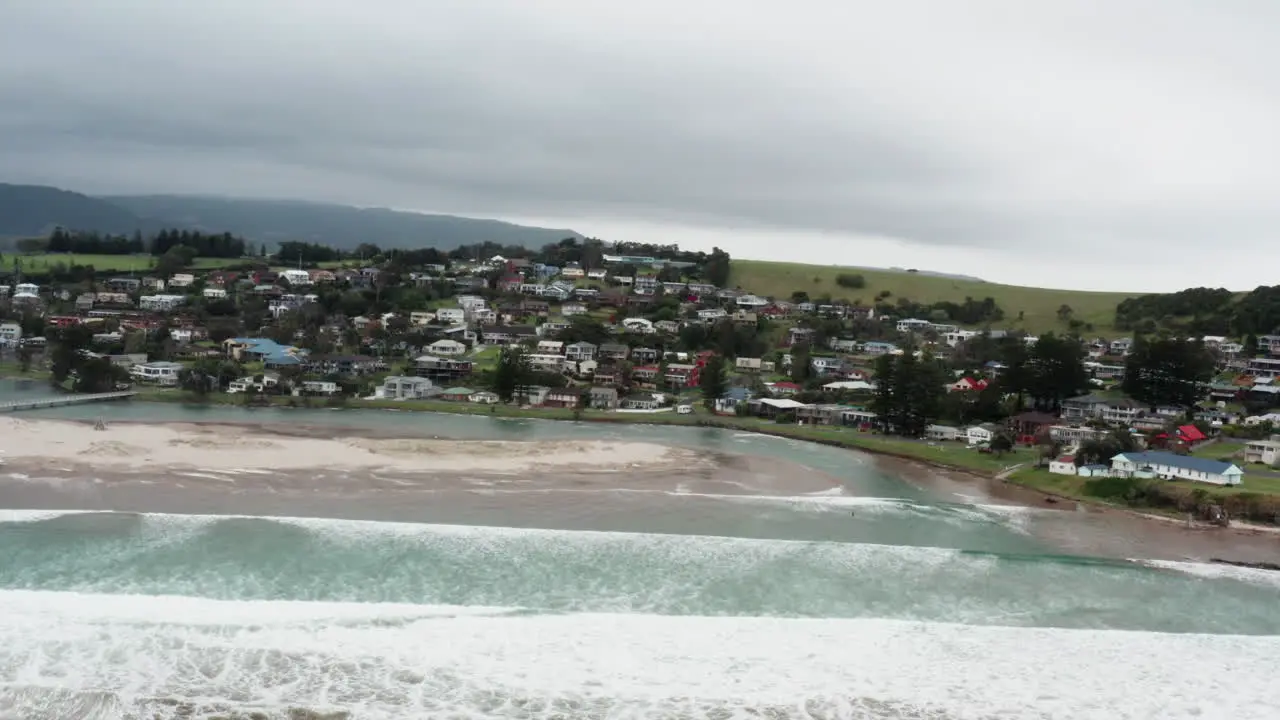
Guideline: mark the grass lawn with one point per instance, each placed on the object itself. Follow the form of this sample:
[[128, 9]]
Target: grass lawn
[[1042, 479], [1038, 305], [10, 368], [1254, 482], [123, 263], [1073, 485], [486, 359], [1219, 449]]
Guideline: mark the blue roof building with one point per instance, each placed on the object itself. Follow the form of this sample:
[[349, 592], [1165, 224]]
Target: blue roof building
[[1170, 466], [271, 353]]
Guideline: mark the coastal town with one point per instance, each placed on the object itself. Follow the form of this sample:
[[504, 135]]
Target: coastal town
[[646, 333]]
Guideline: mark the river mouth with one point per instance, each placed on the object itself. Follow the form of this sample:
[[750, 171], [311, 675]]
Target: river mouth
[[772, 579]]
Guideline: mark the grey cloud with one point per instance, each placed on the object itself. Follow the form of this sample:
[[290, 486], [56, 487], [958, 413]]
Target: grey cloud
[[1005, 126]]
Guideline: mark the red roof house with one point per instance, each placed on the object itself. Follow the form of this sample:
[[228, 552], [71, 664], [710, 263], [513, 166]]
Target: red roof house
[[968, 383], [785, 388], [1190, 434]]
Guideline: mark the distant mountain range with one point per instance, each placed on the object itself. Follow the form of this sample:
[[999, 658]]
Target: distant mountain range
[[34, 210]]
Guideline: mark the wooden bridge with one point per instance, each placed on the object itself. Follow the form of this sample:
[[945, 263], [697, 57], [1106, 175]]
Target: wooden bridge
[[63, 400]]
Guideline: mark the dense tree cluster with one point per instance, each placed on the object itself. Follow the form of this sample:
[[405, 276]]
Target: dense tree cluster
[[851, 280], [293, 251], [908, 394], [968, 312], [94, 243], [220, 245], [70, 359], [1048, 372], [1203, 311], [1167, 371]]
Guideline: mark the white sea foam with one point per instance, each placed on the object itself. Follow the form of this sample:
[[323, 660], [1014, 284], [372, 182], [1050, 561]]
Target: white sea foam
[[26, 516], [399, 661], [1219, 571], [212, 475], [827, 501]]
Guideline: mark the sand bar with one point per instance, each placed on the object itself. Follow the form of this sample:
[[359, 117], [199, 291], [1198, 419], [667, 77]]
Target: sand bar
[[51, 443]]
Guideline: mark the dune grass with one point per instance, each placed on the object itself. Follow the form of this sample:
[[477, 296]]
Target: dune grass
[[1038, 306]]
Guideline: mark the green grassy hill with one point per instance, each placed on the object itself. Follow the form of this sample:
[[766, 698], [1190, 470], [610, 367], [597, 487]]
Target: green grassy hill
[[105, 263], [1039, 306]]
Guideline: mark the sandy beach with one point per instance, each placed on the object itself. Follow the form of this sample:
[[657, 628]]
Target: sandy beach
[[34, 445]]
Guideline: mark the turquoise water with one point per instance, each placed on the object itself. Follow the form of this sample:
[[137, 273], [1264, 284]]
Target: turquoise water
[[598, 602]]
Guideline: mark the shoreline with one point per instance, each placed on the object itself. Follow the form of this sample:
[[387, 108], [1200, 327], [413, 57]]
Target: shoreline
[[216, 466], [1023, 494]]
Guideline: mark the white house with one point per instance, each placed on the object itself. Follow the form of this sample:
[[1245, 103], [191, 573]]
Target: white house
[[1121, 346], [451, 316], [161, 303], [446, 347], [913, 325], [484, 397], [162, 373], [712, 314], [399, 387], [571, 309], [549, 362], [580, 351], [296, 277], [1266, 452], [1065, 465], [638, 325], [317, 387], [10, 334], [1168, 466], [642, 401], [945, 433], [182, 280], [979, 434], [551, 347], [214, 293], [471, 302]]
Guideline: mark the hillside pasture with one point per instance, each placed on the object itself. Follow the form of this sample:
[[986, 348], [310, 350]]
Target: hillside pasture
[[1039, 306], [111, 263]]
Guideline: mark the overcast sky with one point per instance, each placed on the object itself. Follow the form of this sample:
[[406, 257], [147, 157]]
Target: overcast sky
[[1110, 144]]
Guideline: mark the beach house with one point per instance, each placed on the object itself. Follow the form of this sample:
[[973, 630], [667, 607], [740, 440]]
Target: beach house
[[401, 387], [265, 350], [1168, 466], [161, 373]]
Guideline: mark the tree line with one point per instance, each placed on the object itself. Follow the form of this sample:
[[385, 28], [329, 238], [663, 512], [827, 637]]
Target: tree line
[[220, 245], [968, 312], [1203, 311]]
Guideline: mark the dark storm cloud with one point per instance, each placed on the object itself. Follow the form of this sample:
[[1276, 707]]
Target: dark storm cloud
[[997, 124]]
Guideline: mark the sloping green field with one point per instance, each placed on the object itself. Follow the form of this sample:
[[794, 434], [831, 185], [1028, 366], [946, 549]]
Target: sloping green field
[[1039, 306], [117, 263]]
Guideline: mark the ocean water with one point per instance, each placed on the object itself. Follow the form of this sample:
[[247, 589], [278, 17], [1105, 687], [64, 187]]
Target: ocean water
[[867, 599]]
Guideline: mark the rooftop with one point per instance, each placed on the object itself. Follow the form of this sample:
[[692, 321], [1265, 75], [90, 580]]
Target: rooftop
[[1185, 462]]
